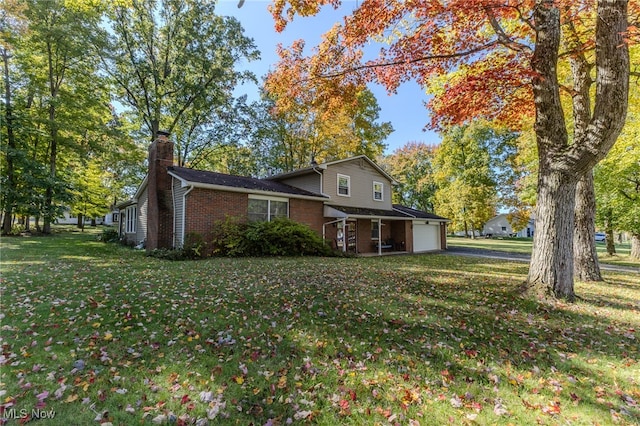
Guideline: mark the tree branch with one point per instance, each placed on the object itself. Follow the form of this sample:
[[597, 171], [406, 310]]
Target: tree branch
[[373, 65]]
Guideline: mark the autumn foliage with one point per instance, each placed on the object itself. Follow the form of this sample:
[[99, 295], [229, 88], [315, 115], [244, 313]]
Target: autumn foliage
[[473, 55]]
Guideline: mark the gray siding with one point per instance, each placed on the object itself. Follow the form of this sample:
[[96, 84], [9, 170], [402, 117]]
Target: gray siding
[[143, 208], [178, 212], [310, 182], [362, 176]]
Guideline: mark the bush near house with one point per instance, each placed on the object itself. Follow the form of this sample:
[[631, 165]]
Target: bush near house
[[234, 238]]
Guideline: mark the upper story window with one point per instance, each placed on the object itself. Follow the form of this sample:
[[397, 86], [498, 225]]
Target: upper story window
[[344, 185], [267, 208], [378, 190]]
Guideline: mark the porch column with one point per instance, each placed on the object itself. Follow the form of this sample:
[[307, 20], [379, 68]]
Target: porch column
[[345, 235], [379, 237]]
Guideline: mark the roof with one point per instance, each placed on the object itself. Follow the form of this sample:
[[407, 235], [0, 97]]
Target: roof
[[323, 166], [418, 214], [214, 179], [362, 211], [399, 211]]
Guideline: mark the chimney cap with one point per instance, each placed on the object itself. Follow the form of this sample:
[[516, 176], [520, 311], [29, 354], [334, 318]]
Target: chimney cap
[[163, 133]]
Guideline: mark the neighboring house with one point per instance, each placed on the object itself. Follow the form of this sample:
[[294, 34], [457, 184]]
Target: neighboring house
[[69, 219], [500, 226], [112, 218], [348, 202]]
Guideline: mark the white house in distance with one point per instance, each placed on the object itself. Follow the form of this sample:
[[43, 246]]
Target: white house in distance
[[499, 226]]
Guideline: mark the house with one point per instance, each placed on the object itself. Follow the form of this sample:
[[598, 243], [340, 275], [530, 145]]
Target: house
[[348, 202], [500, 226]]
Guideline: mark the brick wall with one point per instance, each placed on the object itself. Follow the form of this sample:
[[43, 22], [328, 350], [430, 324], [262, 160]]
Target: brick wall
[[160, 207], [364, 243], [309, 212], [206, 206]]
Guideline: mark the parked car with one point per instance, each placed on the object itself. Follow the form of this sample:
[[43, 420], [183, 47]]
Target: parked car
[[600, 236]]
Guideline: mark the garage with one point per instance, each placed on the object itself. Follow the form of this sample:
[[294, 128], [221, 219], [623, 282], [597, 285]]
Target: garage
[[426, 236]]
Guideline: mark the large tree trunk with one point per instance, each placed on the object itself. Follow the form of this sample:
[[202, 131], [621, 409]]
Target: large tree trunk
[[10, 181], [551, 268], [586, 266], [635, 246], [562, 164]]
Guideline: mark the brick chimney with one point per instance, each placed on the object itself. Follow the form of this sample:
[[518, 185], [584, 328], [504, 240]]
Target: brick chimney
[[160, 206]]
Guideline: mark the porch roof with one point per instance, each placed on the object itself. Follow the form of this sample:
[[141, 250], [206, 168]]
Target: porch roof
[[362, 213], [418, 214]]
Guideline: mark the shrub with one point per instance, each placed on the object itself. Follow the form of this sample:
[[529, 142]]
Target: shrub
[[194, 246], [227, 238], [280, 237], [109, 235], [168, 254]]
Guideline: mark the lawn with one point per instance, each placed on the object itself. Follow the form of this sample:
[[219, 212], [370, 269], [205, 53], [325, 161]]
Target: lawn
[[94, 332], [523, 245]]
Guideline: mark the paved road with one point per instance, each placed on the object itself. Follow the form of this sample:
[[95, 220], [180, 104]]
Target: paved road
[[519, 257]]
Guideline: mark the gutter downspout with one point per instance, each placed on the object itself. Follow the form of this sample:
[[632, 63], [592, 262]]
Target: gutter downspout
[[320, 173], [173, 201], [184, 212]]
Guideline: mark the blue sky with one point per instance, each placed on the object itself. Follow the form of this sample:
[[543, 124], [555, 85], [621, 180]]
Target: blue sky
[[405, 109]]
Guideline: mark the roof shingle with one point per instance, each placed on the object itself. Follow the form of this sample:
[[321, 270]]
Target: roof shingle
[[249, 183]]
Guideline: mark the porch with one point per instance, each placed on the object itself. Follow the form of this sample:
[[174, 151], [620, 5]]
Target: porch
[[367, 231]]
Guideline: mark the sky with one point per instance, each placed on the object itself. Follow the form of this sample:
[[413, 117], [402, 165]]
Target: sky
[[405, 109]]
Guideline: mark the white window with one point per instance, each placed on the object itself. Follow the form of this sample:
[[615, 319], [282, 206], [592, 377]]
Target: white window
[[131, 220], [375, 230], [378, 190], [267, 208], [344, 185]]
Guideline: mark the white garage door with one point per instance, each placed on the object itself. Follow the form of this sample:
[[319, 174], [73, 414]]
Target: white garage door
[[426, 237]]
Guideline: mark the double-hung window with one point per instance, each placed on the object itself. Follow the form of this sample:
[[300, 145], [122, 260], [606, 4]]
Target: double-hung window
[[375, 230], [378, 191], [130, 227], [344, 185], [267, 208]]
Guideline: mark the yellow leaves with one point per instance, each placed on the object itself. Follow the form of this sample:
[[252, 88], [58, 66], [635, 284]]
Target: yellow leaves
[[71, 398], [239, 380], [282, 382], [107, 336]]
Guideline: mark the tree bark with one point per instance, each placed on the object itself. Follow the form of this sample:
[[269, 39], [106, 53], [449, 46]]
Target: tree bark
[[551, 267], [561, 164], [611, 247], [10, 182], [635, 247], [586, 266]]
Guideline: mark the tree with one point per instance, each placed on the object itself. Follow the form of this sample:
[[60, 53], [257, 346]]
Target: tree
[[173, 61], [63, 99], [412, 165], [90, 192], [617, 182], [468, 163], [507, 56], [316, 122]]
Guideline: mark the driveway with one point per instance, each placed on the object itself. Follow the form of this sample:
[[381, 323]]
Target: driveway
[[519, 257]]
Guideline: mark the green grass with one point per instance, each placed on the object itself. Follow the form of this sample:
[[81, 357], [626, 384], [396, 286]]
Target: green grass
[[523, 246], [425, 339]]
